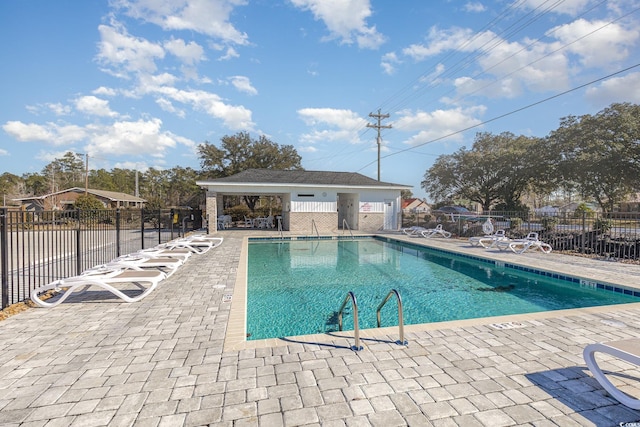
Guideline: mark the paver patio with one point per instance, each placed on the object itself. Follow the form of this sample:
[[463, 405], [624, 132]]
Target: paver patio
[[163, 361]]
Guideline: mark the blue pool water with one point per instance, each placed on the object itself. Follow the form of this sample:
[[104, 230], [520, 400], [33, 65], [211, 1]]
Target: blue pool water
[[296, 287]]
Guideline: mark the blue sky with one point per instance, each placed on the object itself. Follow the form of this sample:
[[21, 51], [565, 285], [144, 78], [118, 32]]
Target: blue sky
[[140, 83]]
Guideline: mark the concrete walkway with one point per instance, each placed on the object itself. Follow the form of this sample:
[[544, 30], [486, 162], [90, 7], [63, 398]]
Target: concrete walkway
[[96, 361]]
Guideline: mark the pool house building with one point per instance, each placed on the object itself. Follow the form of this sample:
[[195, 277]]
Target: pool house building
[[326, 201]]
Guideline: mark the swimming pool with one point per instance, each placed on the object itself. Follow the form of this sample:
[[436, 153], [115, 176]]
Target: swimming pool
[[296, 287]]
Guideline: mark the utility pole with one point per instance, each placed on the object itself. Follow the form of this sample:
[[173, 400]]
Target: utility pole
[[378, 126]]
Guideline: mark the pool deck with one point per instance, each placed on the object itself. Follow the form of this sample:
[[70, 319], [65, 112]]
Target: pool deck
[[175, 359]]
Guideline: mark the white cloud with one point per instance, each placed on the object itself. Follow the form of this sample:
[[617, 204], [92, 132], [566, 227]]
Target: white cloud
[[345, 20], [141, 166], [56, 108], [229, 54], [344, 124], [189, 53], [388, 62], [123, 54], [104, 91], [474, 7], [132, 138], [94, 106], [168, 106], [3, 152], [439, 41], [508, 68], [243, 84], [437, 124], [149, 83], [123, 138], [50, 156], [535, 67], [331, 116], [50, 133], [308, 149], [234, 117], [210, 17], [616, 89], [604, 43], [59, 109], [568, 7]]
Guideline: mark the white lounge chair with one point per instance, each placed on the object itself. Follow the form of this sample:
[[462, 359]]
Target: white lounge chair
[[147, 280], [158, 252], [141, 261], [628, 350], [487, 229], [488, 241], [248, 222], [439, 231], [413, 231], [519, 246], [198, 244]]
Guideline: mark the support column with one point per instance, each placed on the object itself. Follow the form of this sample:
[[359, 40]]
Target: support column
[[211, 209]]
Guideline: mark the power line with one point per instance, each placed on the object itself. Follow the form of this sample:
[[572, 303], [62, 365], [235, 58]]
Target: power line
[[402, 98], [460, 98], [509, 113]]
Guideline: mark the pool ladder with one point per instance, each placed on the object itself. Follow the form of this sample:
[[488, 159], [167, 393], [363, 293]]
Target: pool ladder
[[356, 329], [401, 341]]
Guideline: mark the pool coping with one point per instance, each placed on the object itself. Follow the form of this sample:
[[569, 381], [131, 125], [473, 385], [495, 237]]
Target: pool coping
[[235, 337]]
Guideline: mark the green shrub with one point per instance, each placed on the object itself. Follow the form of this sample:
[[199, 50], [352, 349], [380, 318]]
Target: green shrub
[[602, 224], [583, 210], [516, 222], [549, 223], [88, 202], [238, 212]]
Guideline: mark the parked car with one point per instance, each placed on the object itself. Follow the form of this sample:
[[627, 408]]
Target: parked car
[[455, 210], [456, 213]]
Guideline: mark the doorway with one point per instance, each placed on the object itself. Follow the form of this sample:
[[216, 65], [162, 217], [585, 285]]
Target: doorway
[[348, 204]]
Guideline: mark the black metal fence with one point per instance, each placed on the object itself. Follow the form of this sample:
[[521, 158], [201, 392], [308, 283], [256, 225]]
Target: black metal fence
[[37, 248], [613, 235]]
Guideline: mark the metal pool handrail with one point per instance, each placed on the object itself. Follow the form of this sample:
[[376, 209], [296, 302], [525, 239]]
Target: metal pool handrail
[[313, 225], [356, 329], [345, 223], [402, 341]]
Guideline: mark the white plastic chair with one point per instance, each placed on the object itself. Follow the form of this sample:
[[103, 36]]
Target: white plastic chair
[[628, 350], [105, 279], [439, 231]]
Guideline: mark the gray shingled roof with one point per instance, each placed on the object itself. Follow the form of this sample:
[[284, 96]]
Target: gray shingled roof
[[302, 177], [111, 195]]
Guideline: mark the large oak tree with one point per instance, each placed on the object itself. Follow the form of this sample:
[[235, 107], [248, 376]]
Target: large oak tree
[[240, 152], [599, 155], [497, 169]]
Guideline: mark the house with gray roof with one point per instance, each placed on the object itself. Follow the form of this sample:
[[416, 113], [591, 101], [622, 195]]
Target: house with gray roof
[[330, 201], [65, 199]]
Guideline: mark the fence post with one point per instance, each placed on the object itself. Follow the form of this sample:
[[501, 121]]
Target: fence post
[[4, 241], [584, 232], [159, 226], [171, 214], [118, 217], [142, 228], [78, 243]]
